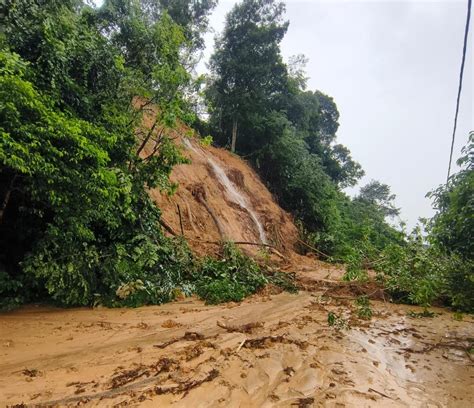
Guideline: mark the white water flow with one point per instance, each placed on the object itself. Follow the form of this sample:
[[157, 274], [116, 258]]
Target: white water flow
[[231, 190]]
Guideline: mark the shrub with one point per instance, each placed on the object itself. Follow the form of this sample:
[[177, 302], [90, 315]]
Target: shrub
[[231, 278], [421, 273]]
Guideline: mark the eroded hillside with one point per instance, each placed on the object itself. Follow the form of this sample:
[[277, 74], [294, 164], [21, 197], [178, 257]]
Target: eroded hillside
[[219, 197]]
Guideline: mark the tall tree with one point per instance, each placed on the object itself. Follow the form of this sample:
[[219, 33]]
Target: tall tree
[[247, 73], [191, 15], [452, 227], [378, 194], [75, 216], [316, 119]]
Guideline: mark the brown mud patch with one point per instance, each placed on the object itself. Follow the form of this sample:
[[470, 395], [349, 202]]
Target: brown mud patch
[[275, 351]]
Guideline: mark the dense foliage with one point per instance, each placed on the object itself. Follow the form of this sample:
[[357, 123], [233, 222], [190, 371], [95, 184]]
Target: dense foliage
[[230, 278], [76, 221]]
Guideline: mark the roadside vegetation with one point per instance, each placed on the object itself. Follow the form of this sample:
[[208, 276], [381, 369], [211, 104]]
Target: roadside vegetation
[[76, 224]]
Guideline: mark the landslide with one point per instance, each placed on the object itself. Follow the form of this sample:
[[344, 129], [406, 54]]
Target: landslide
[[206, 210], [268, 351]]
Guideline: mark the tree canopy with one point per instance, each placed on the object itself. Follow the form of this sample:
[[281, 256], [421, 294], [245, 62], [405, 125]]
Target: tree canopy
[[75, 215]]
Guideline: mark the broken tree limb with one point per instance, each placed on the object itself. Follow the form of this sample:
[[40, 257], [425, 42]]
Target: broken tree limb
[[380, 393], [190, 216], [180, 220], [212, 214], [313, 248], [241, 345], [167, 227]]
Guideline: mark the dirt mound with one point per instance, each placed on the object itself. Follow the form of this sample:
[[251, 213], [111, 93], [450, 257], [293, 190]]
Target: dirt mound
[[219, 197]]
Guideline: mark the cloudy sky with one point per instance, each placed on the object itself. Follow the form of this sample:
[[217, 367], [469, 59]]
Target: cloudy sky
[[392, 68]]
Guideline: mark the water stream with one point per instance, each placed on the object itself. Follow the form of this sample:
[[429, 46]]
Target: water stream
[[231, 190]]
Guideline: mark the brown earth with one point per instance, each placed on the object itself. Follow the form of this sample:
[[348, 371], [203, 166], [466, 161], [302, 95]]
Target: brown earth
[[268, 351], [202, 201], [197, 182]]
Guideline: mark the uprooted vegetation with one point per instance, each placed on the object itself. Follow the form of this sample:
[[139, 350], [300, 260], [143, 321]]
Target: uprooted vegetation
[[229, 276]]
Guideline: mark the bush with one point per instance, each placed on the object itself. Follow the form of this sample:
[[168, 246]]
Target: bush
[[221, 290], [421, 273], [460, 283], [231, 278], [146, 272]]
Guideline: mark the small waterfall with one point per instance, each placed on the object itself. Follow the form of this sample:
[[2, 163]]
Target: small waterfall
[[231, 189]]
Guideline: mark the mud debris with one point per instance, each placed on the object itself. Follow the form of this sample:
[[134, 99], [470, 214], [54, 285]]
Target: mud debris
[[244, 328], [294, 359]]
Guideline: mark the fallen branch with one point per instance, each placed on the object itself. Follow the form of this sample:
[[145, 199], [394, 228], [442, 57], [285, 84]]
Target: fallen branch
[[380, 393], [240, 345], [189, 336], [190, 216], [166, 226], [180, 220], [313, 248], [212, 214]]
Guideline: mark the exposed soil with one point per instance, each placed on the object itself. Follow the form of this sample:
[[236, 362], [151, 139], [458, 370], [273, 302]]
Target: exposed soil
[[200, 201], [270, 350]]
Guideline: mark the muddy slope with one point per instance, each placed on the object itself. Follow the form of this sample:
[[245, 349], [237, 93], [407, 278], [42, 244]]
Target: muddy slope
[[269, 351], [220, 197]]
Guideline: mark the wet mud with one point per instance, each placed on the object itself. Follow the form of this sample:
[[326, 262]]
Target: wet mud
[[268, 351]]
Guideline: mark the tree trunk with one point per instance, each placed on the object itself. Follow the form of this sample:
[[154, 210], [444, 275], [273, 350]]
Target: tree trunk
[[234, 136]]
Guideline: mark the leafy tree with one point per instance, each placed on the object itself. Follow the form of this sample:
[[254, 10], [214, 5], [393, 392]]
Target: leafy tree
[[378, 194], [247, 74], [191, 15], [76, 219], [315, 117], [452, 227], [298, 180]]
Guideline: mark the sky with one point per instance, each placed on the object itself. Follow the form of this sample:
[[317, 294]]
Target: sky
[[392, 68]]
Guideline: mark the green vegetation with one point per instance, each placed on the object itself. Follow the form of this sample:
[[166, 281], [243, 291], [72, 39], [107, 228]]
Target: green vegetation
[[234, 276], [337, 321], [230, 278], [76, 220], [76, 160], [364, 310]]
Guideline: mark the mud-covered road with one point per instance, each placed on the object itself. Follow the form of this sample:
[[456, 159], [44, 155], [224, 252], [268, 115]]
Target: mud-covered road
[[271, 350]]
